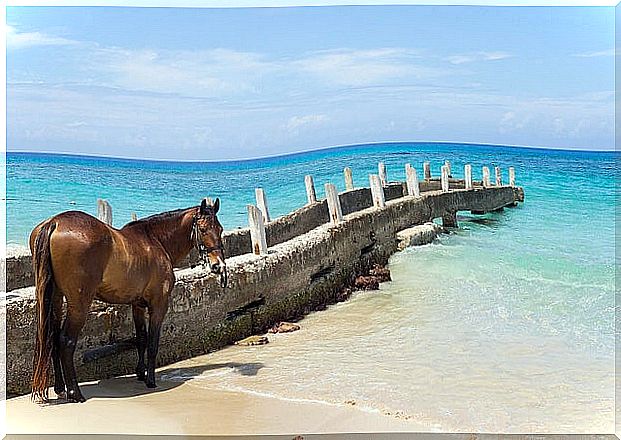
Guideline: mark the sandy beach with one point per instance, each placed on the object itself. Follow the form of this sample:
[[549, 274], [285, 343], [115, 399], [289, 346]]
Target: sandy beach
[[125, 406]]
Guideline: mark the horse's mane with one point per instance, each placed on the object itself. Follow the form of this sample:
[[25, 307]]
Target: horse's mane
[[156, 218]]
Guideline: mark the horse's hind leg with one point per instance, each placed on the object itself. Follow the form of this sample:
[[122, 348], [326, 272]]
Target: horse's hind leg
[[57, 315], [76, 316], [141, 339], [156, 316]]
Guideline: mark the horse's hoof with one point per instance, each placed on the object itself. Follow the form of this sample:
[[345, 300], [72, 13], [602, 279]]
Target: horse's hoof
[[75, 396], [151, 385]]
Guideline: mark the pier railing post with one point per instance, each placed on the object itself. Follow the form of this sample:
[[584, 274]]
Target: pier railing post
[[104, 211], [486, 177], [377, 191], [262, 203], [381, 167], [511, 176], [257, 230], [411, 179], [468, 176], [498, 176], [310, 189], [445, 178], [349, 179], [334, 204], [447, 164], [427, 170]]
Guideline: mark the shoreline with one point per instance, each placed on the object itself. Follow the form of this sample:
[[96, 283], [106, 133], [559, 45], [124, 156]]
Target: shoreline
[[123, 405]]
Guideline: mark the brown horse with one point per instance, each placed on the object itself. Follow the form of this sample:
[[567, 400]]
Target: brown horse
[[78, 257]]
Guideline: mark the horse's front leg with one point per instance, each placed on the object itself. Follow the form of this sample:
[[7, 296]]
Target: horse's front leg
[[140, 323], [156, 316]]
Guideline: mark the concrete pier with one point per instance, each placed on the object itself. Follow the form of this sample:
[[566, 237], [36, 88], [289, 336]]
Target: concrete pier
[[299, 264]]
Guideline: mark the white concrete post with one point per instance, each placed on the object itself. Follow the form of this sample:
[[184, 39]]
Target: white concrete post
[[468, 176], [104, 211], [257, 230], [377, 191], [381, 167], [262, 203], [411, 179], [498, 176], [511, 176], [486, 177], [349, 179], [448, 166], [134, 217], [445, 179], [334, 204], [310, 189], [427, 170]]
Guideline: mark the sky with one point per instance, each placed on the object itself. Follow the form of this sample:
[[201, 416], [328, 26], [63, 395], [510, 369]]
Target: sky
[[213, 84]]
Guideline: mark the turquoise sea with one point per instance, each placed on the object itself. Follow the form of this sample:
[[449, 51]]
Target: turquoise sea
[[504, 325]]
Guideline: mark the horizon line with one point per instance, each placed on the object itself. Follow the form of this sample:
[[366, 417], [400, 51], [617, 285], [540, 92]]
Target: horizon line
[[312, 150]]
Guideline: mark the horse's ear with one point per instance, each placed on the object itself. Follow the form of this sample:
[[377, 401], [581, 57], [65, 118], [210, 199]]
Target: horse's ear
[[216, 205], [203, 206]]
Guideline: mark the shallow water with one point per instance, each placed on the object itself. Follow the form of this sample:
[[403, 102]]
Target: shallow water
[[450, 342], [505, 325]]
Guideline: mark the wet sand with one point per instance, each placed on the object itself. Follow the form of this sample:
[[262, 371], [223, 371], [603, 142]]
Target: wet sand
[[125, 406]]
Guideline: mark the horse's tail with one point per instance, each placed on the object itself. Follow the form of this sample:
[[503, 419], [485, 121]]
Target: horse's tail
[[44, 284]]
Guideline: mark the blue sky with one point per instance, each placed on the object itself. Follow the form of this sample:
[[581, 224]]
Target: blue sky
[[214, 84]]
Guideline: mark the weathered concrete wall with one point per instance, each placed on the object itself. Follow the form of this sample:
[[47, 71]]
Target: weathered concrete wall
[[237, 242], [18, 266], [296, 277]]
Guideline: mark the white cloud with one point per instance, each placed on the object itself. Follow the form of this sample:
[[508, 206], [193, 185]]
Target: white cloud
[[20, 40], [348, 67], [477, 56], [216, 72], [598, 53], [225, 73], [296, 122], [121, 122]]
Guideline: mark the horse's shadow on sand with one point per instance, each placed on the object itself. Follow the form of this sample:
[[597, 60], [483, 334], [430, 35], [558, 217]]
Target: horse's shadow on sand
[[166, 379]]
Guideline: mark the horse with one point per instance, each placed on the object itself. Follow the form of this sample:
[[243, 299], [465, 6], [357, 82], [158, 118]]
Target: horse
[[79, 258]]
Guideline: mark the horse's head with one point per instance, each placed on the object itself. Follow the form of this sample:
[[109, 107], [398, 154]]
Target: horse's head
[[207, 233]]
